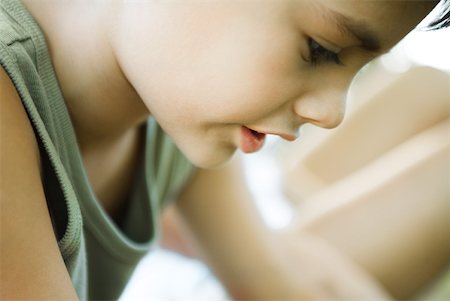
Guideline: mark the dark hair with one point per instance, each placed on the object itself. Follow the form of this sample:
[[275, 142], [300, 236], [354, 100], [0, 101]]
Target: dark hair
[[443, 18]]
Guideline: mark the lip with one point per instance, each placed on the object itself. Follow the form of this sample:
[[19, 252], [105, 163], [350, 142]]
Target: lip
[[288, 137], [251, 140]]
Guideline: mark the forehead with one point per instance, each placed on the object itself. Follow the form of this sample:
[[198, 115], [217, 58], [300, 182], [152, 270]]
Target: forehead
[[382, 22]]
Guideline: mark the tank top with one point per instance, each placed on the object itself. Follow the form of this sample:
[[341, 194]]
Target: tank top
[[100, 256]]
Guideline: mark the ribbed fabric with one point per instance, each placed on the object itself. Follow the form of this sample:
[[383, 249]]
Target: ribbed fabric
[[99, 255]]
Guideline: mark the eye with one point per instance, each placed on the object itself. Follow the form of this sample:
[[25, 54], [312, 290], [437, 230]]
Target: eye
[[319, 54]]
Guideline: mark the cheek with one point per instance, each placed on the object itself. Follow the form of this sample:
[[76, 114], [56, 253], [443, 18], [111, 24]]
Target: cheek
[[236, 78], [226, 72]]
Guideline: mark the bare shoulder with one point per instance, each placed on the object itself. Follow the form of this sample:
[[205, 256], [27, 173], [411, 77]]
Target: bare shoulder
[[31, 266]]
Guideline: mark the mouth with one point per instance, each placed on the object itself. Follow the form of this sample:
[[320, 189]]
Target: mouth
[[251, 140]]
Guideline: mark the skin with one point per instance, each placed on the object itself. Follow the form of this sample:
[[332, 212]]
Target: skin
[[396, 179], [364, 126], [250, 62], [407, 189], [245, 65], [203, 69]]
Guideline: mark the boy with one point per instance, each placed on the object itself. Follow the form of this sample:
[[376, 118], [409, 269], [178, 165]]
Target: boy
[[219, 75]]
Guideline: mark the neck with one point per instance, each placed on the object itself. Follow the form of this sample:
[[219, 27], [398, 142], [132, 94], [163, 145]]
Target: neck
[[102, 103]]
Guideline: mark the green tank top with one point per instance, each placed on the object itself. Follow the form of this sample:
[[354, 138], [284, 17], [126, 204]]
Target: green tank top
[[99, 255]]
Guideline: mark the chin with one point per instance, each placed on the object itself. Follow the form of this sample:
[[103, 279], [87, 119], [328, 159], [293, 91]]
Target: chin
[[211, 159]]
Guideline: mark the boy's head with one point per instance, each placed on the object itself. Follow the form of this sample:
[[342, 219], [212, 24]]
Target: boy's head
[[212, 72], [442, 20]]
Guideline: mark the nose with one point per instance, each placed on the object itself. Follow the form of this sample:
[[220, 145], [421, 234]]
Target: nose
[[325, 109]]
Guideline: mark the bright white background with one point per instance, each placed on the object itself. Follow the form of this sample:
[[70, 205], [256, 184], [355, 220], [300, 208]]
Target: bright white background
[[168, 277]]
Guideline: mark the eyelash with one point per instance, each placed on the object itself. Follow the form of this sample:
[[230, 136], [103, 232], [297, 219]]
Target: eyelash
[[319, 54]]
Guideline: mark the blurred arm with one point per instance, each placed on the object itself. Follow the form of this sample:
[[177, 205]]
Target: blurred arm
[[252, 261], [393, 216], [416, 101], [31, 265]]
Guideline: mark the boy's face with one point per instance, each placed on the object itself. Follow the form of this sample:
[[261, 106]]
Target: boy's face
[[208, 70]]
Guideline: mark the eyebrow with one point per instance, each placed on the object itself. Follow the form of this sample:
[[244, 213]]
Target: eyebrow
[[359, 29]]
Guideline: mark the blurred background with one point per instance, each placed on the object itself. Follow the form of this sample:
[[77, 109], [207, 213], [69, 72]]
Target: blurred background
[[163, 275]]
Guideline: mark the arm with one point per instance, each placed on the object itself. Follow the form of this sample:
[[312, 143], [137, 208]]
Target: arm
[[31, 266], [392, 217], [217, 211], [254, 262], [371, 130]]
